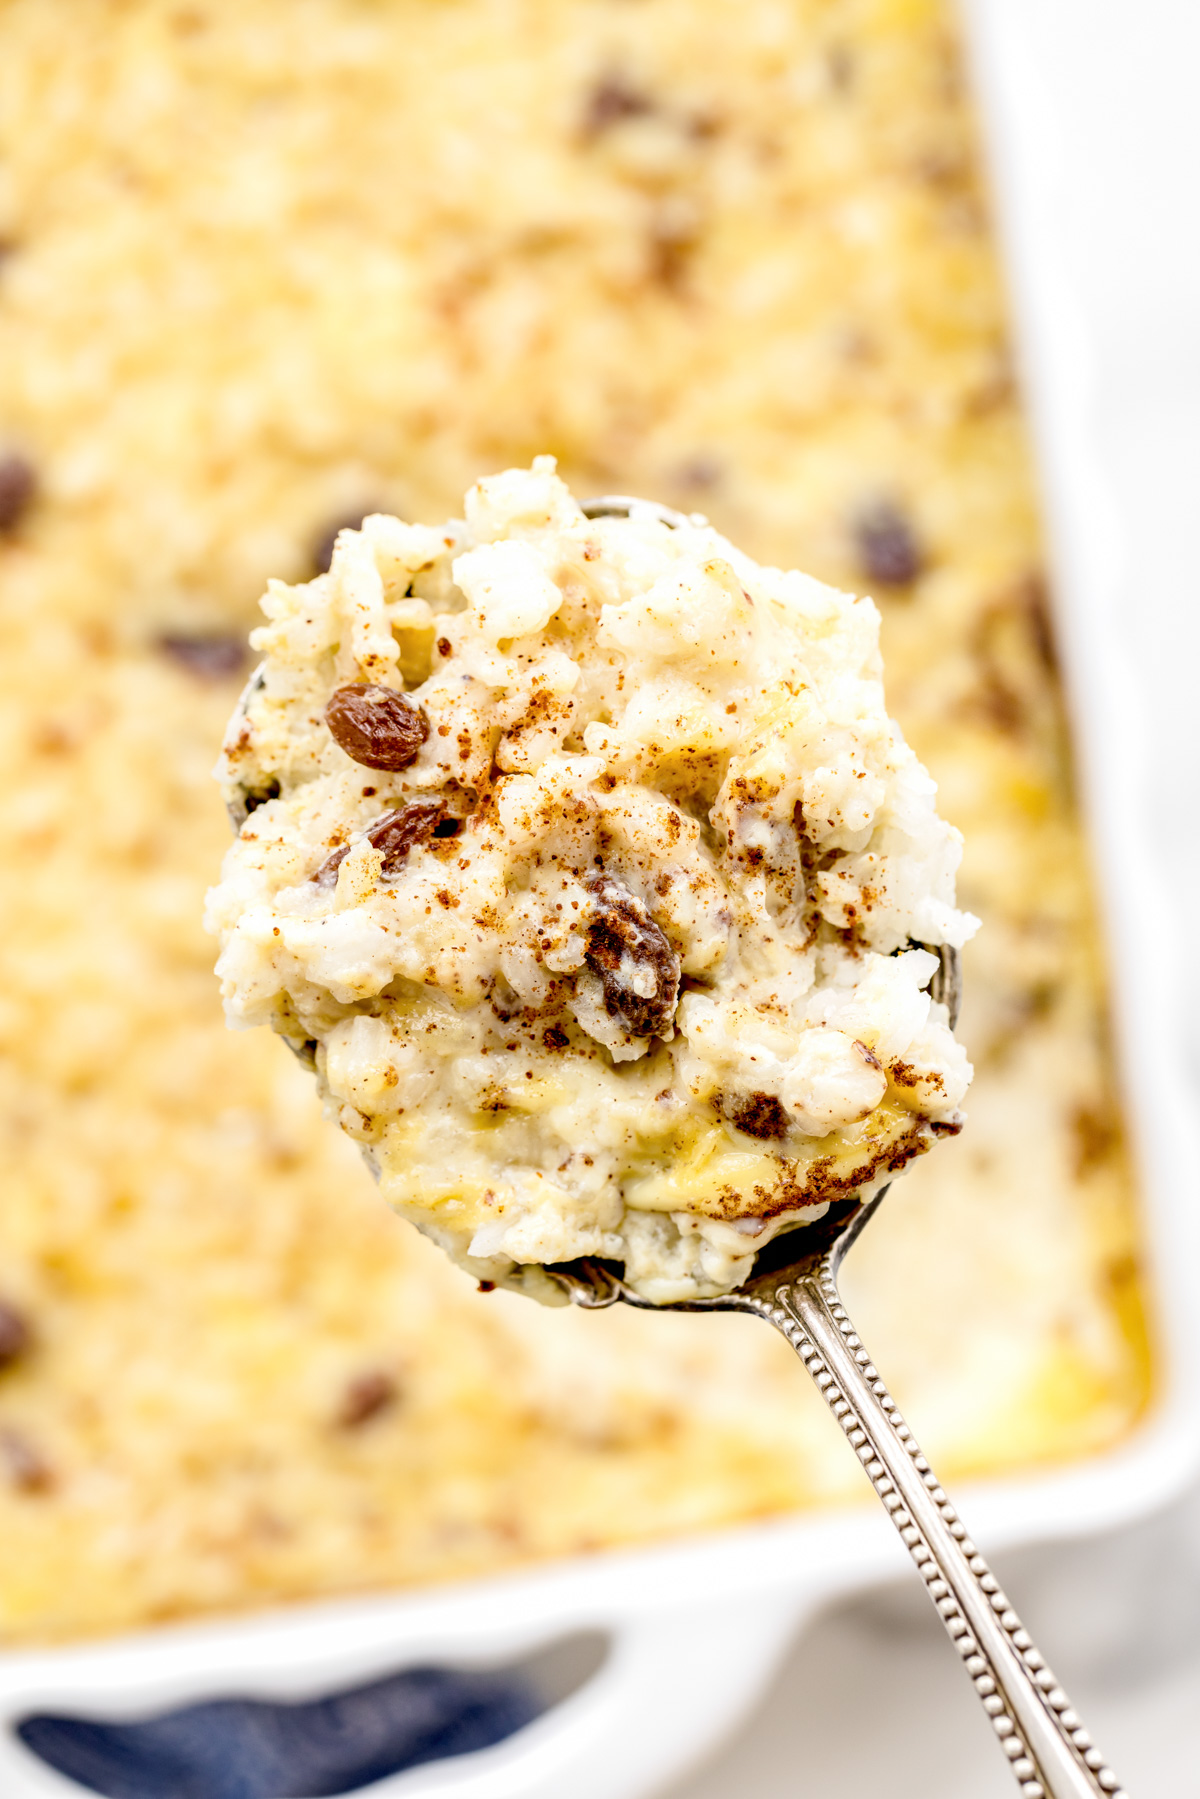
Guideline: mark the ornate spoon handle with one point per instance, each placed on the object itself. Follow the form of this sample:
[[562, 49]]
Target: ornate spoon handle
[[1049, 1751]]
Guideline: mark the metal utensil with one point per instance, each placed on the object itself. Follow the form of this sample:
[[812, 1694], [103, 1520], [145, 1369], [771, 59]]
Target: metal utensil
[[794, 1287]]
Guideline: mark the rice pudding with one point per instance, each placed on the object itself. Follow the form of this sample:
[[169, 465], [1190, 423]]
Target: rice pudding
[[582, 860]]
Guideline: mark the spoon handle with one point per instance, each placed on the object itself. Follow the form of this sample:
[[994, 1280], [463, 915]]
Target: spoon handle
[[1050, 1753]]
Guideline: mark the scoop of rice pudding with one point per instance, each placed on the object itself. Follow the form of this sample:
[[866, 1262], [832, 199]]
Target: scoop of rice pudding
[[582, 860]]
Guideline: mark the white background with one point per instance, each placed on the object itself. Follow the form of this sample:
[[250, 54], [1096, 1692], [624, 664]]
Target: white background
[[872, 1701]]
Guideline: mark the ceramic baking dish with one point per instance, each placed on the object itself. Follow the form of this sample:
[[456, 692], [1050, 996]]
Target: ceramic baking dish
[[671, 1645]]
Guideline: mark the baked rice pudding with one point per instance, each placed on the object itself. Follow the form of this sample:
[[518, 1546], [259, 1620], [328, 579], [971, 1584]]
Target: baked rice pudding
[[256, 283]]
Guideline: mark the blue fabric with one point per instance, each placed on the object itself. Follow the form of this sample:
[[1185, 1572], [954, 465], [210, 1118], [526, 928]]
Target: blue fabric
[[259, 1749]]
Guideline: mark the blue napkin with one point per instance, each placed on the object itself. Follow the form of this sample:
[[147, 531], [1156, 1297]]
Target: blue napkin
[[263, 1749]]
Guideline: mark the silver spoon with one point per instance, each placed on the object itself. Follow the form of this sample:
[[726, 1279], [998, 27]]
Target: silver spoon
[[794, 1287]]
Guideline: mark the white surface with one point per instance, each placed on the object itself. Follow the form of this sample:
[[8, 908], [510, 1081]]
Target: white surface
[[870, 1701]]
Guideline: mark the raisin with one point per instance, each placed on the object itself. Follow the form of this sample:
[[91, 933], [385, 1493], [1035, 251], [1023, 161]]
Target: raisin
[[24, 1464], [376, 726], [396, 833], [365, 1397], [759, 1115], [18, 484], [393, 834], [840, 65], [700, 471], [887, 547], [625, 946], [611, 100], [327, 874], [258, 796], [15, 1334], [210, 656]]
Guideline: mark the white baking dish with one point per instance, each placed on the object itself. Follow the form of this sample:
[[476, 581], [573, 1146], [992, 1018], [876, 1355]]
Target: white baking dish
[[693, 1630]]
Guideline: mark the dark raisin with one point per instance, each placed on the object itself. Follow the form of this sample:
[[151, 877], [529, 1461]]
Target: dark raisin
[[758, 1114], [254, 797], [393, 834], [396, 833], [321, 554], [24, 1464], [624, 944], [210, 656], [18, 485], [376, 726], [15, 1334], [327, 874], [365, 1397], [700, 471], [887, 547], [839, 62], [611, 100]]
